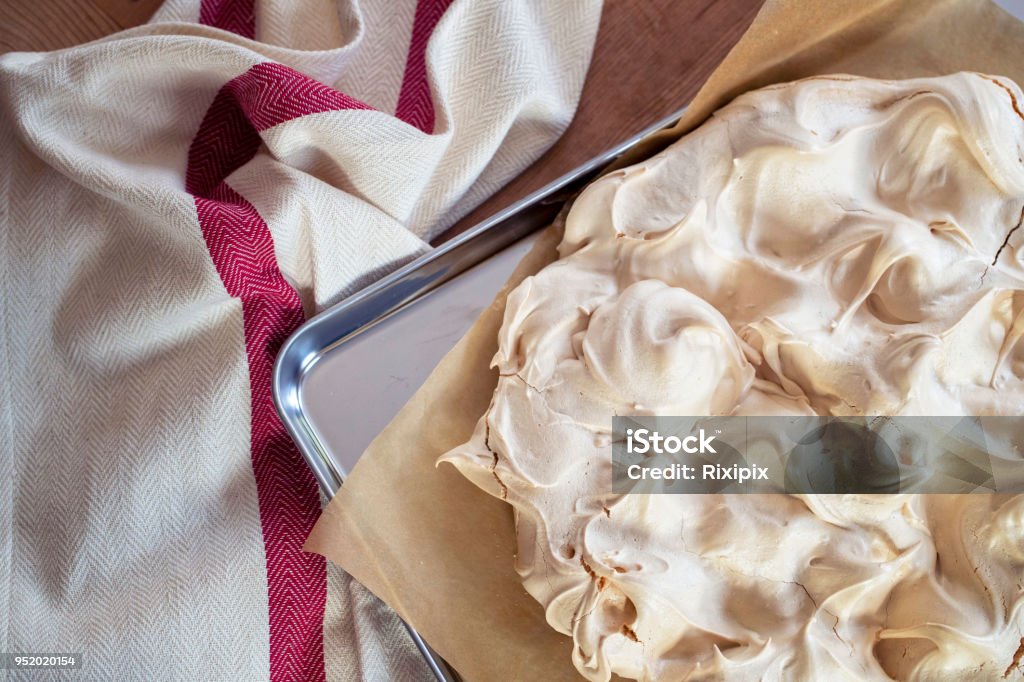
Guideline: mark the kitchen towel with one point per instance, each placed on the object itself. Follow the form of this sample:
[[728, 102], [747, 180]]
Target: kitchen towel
[[174, 200]]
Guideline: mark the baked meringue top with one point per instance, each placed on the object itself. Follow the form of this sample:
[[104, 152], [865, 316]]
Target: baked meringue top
[[834, 246]]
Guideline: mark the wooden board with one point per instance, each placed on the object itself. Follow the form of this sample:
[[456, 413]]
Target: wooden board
[[42, 25], [650, 58]]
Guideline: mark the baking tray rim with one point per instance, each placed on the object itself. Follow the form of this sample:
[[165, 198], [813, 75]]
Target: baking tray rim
[[306, 344]]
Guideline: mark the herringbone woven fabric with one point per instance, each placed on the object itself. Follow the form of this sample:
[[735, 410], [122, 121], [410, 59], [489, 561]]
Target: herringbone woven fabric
[[176, 199]]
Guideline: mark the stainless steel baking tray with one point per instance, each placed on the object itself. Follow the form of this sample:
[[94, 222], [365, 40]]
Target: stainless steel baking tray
[[343, 375]]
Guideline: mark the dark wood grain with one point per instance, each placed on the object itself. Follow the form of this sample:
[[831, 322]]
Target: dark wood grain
[[42, 25], [650, 59]]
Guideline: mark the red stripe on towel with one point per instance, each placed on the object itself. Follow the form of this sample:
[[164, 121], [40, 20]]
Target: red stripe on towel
[[237, 16], [271, 93], [242, 249], [415, 104]]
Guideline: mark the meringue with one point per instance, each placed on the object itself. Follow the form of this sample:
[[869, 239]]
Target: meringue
[[835, 246]]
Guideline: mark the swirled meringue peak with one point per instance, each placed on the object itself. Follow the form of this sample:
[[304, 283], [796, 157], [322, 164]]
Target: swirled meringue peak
[[834, 246]]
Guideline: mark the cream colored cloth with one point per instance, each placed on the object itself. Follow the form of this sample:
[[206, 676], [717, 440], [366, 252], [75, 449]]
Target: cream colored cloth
[[160, 190]]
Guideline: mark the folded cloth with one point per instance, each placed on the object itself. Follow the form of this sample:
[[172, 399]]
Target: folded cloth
[[176, 199]]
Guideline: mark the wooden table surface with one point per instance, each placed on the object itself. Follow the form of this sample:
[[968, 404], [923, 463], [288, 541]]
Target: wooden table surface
[[650, 58]]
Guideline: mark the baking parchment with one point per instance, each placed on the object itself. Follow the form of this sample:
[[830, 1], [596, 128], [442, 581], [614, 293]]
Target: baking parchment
[[440, 551]]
